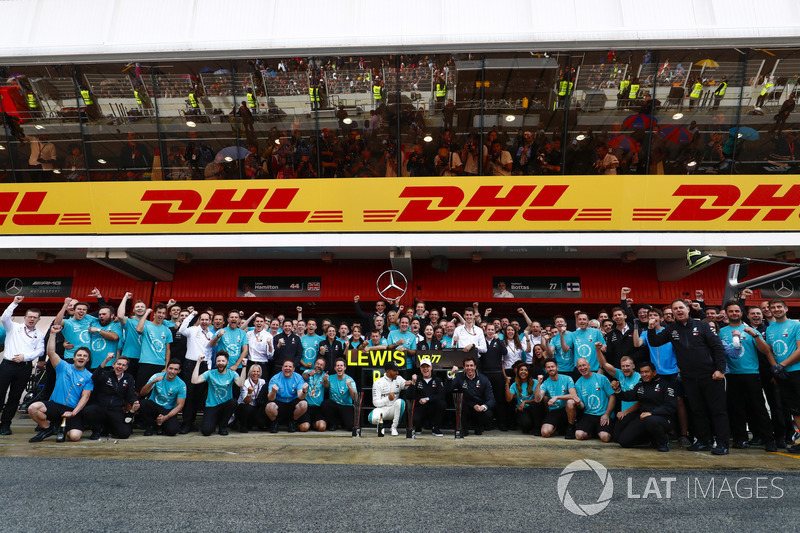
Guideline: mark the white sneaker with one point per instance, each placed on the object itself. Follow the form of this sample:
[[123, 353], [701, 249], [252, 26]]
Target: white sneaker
[[394, 432]]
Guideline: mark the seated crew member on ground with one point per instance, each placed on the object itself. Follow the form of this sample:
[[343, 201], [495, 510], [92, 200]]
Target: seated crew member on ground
[[528, 412], [167, 397], [656, 405], [287, 400], [596, 405], [386, 398], [113, 390], [220, 404], [478, 398], [429, 395], [558, 390], [74, 386], [342, 393], [317, 380], [249, 410]]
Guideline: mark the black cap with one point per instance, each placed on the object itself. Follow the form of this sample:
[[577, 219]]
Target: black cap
[[391, 366]]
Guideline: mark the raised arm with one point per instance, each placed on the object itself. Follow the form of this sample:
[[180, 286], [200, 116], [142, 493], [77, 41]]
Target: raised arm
[[184, 329], [196, 377], [601, 358], [140, 325], [60, 316], [51, 344], [121, 309], [8, 324], [242, 376]]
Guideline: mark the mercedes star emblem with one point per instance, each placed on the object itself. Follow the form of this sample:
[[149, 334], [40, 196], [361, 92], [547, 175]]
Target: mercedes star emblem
[[14, 286], [785, 289], [392, 284]]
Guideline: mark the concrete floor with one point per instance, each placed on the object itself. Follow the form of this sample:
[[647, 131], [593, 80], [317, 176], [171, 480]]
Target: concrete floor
[[492, 449]]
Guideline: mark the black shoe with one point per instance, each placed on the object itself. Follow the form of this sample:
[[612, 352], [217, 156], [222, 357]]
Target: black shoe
[[478, 431], [719, 450], [770, 447], [436, 432], [243, 429], [223, 431], [292, 427], [332, 427], [569, 434], [754, 442], [418, 430], [741, 445], [663, 448], [274, 428], [780, 443], [5, 430], [148, 432], [793, 449], [698, 447], [503, 427], [95, 435], [43, 434], [187, 429]]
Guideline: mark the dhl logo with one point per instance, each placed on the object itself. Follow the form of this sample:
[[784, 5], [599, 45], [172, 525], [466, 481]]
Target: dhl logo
[[413, 204]]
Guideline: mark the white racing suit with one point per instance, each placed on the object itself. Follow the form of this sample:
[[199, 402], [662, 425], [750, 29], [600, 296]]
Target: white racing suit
[[390, 409]]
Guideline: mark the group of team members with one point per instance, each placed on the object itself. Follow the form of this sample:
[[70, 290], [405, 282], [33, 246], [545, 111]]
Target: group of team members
[[581, 383]]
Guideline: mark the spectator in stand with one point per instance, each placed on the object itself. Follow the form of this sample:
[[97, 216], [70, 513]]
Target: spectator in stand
[[499, 161]]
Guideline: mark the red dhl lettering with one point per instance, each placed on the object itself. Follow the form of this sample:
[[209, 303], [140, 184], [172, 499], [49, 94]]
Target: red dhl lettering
[[703, 203]]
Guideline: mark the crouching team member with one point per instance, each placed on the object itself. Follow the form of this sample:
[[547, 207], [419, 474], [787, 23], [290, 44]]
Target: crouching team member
[[386, 398], [342, 392], [167, 395], [558, 390], [656, 406], [74, 386], [429, 395], [317, 381], [596, 402], [220, 404], [287, 400], [113, 389], [249, 410], [477, 400], [528, 412]]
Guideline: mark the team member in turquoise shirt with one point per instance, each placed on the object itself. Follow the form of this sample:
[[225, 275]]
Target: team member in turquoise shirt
[[167, 396], [559, 392], [628, 378], [342, 391], [73, 388], [597, 403], [582, 341], [317, 381], [404, 340], [156, 338], [76, 328], [783, 337], [234, 340], [105, 336], [220, 404], [565, 359], [287, 399], [310, 342], [132, 340]]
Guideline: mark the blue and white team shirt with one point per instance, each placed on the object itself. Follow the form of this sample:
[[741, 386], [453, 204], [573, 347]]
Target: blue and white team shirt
[[76, 332], [594, 392], [558, 387], [783, 337], [154, 344]]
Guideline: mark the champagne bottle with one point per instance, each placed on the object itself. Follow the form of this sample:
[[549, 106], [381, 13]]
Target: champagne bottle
[[380, 425], [62, 430]]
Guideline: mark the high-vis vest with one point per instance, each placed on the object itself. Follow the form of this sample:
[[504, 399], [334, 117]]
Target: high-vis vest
[[696, 90], [766, 88], [87, 99], [138, 97], [376, 92], [313, 93], [193, 101], [441, 90], [623, 85], [634, 91], [251, 100], [31, 100], [723, 86], [562, 88]]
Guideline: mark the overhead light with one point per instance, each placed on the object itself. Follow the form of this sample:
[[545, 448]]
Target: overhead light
[[739, 136], [39, 127], [45, 257], [348, 120], [677, 116], [228, 158], [476, 257], [2, 147], [786, 256], [327, 257], [191, 123], [102, 161], [691, 164], [628, 257], [277, 141], [580, 137], [427, 138], [184, 257], [56, 171], [510, 118]]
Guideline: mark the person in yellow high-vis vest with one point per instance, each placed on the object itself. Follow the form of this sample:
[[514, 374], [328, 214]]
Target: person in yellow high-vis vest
[[251, 101], [696, 91], [622, 95], [719, 93], [313, 95], [766, 91], [377, 95], [440, 90]]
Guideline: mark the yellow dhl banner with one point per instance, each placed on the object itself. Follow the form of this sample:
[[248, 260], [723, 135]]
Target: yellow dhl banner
[[381, 205]]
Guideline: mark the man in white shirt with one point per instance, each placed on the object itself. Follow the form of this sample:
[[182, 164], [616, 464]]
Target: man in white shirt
[[386, 399], [468, 336], [23, 345], [259, 341], [200, 340]]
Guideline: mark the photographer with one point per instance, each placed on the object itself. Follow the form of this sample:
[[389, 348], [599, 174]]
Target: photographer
[[417, 162], [500, 161], [447, 163], [469, 156], [363, 166], [550, 158], [388, 163], [304, 168]]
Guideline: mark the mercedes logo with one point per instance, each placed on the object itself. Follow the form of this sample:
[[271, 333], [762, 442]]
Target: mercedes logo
[[392, 284], [14, 286], [784, 289]]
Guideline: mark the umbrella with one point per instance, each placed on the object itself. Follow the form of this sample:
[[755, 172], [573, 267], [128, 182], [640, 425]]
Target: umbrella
[[675, 134], [234, 152], [639, 121], [708, 63], [624, 143], [222, 71], [748, 134], [206, 70]]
